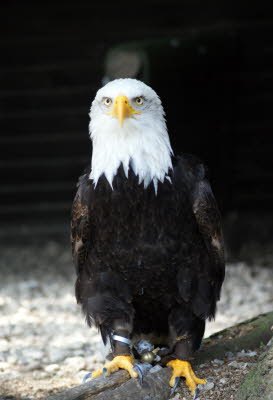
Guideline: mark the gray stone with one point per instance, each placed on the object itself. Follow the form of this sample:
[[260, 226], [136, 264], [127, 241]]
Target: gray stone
[[12, 359], [246, 354], [208, 386], [219, 362], [32, 366], [74, 364], [251, 354], [55, 355], [241, 365], [76, 345], [234, 364], [156, 368], [9, 375], [177, 397], [230, 355], [4, 365], [4, 345], [29, 355], [51, 368]]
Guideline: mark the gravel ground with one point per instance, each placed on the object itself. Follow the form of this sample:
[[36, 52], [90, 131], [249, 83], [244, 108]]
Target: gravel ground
[[45, 345]]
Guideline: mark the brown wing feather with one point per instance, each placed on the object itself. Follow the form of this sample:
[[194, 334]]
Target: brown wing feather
[[80, 223], [202, 288], [208, 218]]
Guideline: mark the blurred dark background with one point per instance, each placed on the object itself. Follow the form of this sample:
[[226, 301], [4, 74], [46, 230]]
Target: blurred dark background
[[210, 62]]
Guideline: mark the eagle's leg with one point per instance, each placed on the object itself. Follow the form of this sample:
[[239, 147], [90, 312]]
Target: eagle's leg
[[122, 358], [186, 335]]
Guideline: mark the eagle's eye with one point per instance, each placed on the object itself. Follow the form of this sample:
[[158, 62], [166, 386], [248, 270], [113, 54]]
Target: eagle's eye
[[139, 101], [107, 101]]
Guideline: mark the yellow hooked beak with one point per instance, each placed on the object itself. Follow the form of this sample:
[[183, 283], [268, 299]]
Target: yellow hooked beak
[[122, 109]]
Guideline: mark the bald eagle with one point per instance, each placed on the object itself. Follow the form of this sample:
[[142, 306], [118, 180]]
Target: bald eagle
[[146, 234]]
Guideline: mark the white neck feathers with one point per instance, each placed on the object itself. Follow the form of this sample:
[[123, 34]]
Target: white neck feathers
[[146, 147]]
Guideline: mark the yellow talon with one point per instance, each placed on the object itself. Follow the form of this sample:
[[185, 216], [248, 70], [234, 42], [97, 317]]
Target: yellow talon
[[184, 369], [123, 362]]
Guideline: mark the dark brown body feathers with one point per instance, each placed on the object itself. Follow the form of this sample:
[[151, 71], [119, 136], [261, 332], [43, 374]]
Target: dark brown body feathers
[[154, 261]]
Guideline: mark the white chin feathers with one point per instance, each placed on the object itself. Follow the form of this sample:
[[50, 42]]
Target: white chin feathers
[[144, 144]]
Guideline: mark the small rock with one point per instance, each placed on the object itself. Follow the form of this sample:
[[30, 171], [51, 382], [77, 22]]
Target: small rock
[[56, 355], [251, 364], [32, 366], [4, 366], [218, 362], [251, 354], [156, 368], [223, 381], [4, 345], [203, 365], [9, 375], [177, 397], [30, 355], [80, 353], [52, 368], [39, 375], [230, 355], [75, 364], [208, 386], [12, 359], [241, 365], [234, 364], [244, 354], [76, 345]]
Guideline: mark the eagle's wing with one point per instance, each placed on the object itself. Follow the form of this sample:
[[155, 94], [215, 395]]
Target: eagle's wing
[[80, 223], [208, 219], [207, 282]]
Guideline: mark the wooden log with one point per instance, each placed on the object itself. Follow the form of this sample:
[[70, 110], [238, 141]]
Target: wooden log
[[118, 386], [155, 387], [91, 388]]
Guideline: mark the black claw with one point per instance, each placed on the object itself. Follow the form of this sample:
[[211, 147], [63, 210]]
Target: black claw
[[104, 371], [86, 377], [140, 373], [177, 380], [196, 392]]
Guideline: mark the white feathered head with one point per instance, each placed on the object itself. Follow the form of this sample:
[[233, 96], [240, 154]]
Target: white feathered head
[[128, 127]]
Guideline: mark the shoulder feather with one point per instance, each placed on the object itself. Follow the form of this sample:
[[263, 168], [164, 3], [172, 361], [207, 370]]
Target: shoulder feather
[[80, 222]]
